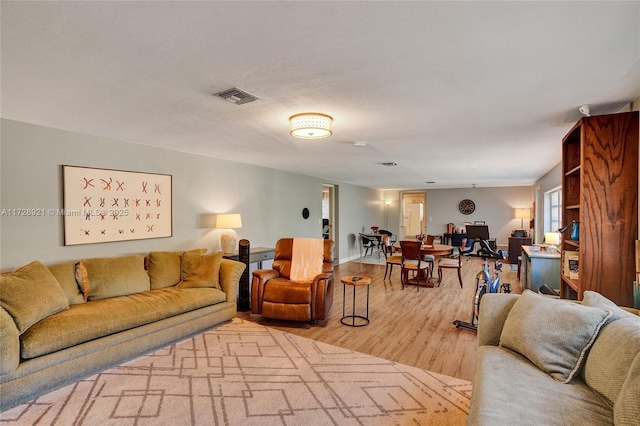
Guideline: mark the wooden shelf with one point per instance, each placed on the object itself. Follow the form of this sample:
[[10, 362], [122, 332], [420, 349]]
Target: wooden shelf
[[573, 244], [574, 171], [595, 148], [570, 282]]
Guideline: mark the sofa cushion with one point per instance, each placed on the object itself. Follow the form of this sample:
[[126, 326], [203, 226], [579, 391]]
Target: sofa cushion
[[65, 274], [99, 318], [626, 410], [117, 276], [510, 390], [611, 356], [201, 270], [553, 334], [281, 290], [30, 294], [164, 267]]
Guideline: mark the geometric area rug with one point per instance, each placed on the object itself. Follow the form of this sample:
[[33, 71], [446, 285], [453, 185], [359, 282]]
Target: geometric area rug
[[243, 373]]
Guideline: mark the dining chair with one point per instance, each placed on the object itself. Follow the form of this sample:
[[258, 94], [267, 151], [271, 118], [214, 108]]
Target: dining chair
[[429, 258], [369, 244], [391, 259], [394, 237], [412, 262], [453, 262]]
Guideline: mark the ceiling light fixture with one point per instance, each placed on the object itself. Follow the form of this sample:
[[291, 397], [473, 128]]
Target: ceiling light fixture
[[311, 125]]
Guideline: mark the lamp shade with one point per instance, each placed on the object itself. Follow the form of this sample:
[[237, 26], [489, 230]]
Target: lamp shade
[[229, 221], [552, 238], [522, 213], [311, 125]]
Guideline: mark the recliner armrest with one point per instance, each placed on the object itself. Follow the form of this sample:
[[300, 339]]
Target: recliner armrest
[[260, 278]]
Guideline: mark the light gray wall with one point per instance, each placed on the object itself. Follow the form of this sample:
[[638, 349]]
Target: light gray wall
[[494, 205], [551, 180], [269, 200]]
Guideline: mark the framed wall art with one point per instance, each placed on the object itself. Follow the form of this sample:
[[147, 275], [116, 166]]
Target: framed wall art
[[103, 205]]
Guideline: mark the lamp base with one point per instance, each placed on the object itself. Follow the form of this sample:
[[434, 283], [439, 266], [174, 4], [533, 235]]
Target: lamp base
[[228, 241]]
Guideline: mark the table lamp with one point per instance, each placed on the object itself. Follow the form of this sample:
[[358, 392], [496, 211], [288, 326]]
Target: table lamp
[[552, 240], [228, 237], [522, 214]]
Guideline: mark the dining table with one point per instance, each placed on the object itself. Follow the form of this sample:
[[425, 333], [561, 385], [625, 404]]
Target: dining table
[[435, 250]]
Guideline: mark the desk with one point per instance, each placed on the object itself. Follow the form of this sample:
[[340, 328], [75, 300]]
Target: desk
[[515, 247], [256, 255], [539, 267]]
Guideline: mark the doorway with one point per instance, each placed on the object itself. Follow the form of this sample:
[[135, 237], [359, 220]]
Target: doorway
[[414, 214], [328, 212]]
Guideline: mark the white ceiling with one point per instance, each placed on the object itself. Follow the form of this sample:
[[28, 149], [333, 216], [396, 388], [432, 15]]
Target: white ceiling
[[459, 93]]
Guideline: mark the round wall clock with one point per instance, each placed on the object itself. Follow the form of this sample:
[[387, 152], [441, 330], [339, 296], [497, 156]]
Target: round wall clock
[[466, 206], [305, 213]]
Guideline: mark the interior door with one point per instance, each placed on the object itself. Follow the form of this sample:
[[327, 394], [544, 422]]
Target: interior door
[[413, 215]]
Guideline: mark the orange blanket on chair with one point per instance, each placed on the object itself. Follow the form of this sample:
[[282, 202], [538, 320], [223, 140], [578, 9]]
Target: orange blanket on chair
[[306, 259]]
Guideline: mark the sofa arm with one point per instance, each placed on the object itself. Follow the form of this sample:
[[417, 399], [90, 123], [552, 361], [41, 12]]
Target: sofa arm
[[494, 309], [230, 273], [9, 343]]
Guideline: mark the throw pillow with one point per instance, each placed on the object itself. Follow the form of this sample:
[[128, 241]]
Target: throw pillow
[[65, 273], [30, 294], [117, 276], [553, 334], [592, 298], [200, 270], [82, 279], [164, 267]]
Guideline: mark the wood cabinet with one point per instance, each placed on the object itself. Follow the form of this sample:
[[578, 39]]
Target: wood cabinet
[[515, 247], [600, 191]]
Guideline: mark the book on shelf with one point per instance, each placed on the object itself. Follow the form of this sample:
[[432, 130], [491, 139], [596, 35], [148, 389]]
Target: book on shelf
[[574, 267], [570, 259]]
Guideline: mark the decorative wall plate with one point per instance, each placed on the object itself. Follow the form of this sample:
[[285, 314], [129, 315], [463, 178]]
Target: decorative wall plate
[[466, 206], [305, 213]]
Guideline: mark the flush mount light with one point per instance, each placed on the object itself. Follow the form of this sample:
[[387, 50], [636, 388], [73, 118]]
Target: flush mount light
[[311, 125]]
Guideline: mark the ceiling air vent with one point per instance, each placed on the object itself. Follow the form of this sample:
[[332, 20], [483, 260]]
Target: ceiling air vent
[[236, 96], [389, 163]]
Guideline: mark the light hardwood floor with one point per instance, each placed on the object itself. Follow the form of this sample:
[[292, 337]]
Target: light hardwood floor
[[407, 326]]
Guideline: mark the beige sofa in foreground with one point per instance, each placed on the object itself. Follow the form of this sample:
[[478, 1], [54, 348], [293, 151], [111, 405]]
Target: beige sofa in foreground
[[544, 361], [67, 321]]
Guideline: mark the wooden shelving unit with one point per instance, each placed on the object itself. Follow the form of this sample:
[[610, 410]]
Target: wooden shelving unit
[[600, 191]]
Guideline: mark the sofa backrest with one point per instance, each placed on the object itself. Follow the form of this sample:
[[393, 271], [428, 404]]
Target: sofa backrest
[[609, 361]]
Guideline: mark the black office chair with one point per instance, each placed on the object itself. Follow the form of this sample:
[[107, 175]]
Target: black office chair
[[486, 251]]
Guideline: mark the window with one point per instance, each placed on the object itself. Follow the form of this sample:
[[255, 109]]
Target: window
[[552, 209]]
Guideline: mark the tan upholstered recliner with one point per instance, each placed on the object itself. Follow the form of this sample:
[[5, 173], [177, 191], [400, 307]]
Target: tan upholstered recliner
[[274, 295]]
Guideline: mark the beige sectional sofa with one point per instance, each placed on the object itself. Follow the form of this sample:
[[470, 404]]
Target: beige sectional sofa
[[62, 322], [543, 361]]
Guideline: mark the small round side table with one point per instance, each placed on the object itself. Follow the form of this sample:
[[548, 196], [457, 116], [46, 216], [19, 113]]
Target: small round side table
[[354, 281]]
